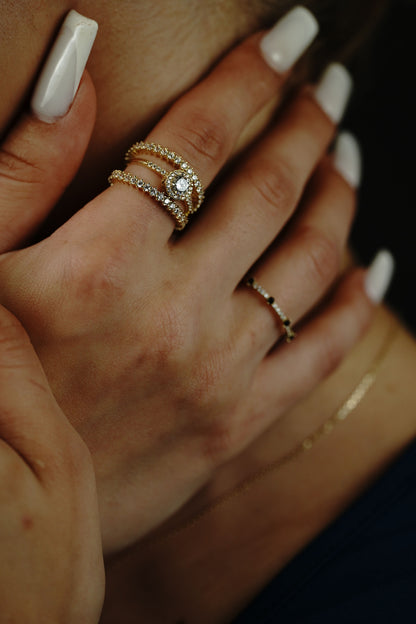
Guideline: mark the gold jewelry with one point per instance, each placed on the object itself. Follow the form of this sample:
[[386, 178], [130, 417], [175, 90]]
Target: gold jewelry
[[347, 407], [176, 184], [286, 322], [181, 184], [166, 202]]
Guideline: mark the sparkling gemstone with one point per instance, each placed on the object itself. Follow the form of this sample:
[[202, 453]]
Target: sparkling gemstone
[[182, 184]]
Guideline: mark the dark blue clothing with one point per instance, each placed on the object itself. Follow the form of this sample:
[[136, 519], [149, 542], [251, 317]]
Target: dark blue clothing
[[360, 570]]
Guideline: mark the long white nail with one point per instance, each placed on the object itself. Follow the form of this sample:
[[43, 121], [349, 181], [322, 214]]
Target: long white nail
[[333, 91], [379, 276], [62, 72], [347, 158], [285, 43]]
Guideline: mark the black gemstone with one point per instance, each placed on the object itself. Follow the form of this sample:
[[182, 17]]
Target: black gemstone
[[270, 300]]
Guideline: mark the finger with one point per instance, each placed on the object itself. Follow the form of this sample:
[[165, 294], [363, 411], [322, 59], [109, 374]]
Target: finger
[[323, 344], [31, 422], [38, 160], [205, 124], [299, 269], [257, 202]]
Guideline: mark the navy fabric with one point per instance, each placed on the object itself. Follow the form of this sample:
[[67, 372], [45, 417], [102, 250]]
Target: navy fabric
[[360, 570]]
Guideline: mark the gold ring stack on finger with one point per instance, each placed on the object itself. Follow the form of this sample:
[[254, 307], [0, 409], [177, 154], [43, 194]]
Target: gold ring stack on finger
[[286, 322], [181, 184]]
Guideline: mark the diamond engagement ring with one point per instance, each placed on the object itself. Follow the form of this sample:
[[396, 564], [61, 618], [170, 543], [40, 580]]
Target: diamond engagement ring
[[181, 184]]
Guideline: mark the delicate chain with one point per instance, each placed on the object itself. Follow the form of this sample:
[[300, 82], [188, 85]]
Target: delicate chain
[[349, 405]]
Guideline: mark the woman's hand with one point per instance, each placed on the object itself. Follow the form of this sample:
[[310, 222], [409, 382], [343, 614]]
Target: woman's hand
[[158, 355], [51, 555]]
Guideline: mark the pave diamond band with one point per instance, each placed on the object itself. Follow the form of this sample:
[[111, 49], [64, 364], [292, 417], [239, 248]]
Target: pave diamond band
[[181, 184], [178, 183], [176, 212], [286, 322]]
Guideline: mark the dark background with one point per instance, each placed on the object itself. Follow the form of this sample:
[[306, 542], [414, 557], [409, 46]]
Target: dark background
[[383, 117]]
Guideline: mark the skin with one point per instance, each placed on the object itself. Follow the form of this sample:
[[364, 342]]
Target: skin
[[341, 486], [202, 369], [46, 480]]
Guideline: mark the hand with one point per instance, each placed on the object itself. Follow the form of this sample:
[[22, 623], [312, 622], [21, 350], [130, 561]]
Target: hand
[[157, 354], [51, 554]]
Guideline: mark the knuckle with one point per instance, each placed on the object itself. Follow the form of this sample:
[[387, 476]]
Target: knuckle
[[321, 256], [275, 188], [97, 274], [219, 443], [204, 138], [17, 169], [208, 376], [168, 336], [217, 401], [227, 431]]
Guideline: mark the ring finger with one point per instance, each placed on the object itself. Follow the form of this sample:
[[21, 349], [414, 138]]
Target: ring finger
[[299, 270], [204, 126]]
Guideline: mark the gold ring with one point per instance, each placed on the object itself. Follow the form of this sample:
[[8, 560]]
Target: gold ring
[[181, 184], [286, 322], [176, 212]]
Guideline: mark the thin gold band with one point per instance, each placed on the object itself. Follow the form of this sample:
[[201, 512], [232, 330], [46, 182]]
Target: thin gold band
[[286, 322], [166, 202]]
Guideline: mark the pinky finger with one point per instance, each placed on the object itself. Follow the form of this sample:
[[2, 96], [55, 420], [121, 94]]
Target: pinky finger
[[325, 340]]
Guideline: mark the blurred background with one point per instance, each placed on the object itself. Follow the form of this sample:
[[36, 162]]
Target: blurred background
[[383, 117]]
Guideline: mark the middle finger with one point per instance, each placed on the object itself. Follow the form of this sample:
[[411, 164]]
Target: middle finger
[[259, 199]]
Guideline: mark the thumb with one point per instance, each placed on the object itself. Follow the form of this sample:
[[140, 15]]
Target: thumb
[[42, 153]]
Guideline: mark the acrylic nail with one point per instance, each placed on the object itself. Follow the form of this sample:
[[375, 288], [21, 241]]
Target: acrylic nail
[[347, 158], [63, 69], [379, 276], [333, 91], [285, 43]]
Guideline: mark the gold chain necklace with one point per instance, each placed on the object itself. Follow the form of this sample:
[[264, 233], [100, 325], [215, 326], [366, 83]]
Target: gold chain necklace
[[348, 406]]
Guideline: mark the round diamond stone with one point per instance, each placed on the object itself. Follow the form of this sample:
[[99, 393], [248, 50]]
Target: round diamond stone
[[182, 184]]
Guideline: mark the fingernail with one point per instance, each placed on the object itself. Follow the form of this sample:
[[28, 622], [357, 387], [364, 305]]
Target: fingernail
[[379, 275], [285, 43], [347, 158], [62, 72], [333, 91]]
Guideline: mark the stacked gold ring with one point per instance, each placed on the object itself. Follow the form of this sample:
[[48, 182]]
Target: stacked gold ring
[[175, 211], [181, 184]]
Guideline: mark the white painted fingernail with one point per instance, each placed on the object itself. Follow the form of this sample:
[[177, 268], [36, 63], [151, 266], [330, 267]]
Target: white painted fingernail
[[285, 43], [379, 276], [347, 158], [333, 91], [62, 72]]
